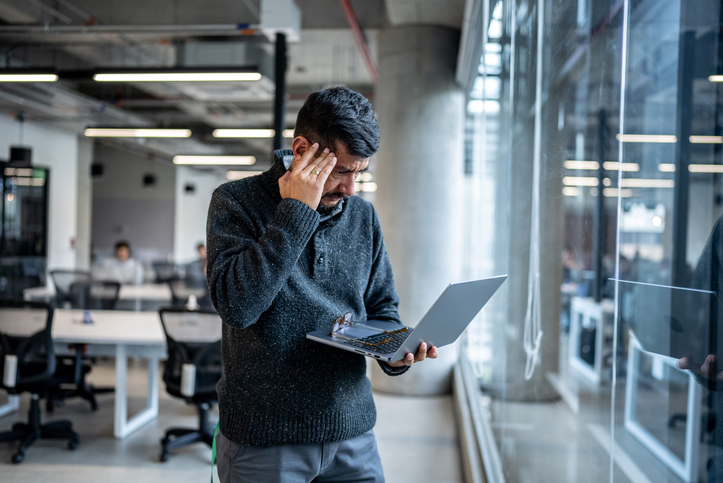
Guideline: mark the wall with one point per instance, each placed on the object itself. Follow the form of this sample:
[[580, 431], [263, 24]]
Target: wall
[[192, 210], [124, 209], [56, 149], [84, 206]]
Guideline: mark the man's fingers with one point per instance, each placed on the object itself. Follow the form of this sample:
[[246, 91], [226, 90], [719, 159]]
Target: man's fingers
[[432, 353], [325, 171], [421, 352], [315, 166], [303, 161]]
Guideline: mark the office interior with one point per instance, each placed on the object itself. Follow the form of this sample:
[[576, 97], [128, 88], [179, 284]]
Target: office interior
[[574, 145]]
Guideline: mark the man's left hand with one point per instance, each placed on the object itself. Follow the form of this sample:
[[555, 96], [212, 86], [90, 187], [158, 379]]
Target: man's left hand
[[422, 353]]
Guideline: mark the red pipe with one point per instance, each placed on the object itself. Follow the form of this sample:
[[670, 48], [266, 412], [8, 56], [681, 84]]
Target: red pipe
[[360, 40]]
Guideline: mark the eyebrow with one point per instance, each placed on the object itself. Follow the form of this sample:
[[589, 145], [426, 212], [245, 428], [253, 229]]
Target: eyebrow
[[344, 170]]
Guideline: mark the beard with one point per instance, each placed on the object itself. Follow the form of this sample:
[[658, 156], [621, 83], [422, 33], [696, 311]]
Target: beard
[[329, 210]]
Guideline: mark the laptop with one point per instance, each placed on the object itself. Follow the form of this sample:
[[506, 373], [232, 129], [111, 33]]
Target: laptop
[[673, 322], [443, 323]]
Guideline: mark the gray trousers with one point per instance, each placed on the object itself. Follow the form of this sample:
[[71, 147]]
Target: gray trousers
[[355, 459]]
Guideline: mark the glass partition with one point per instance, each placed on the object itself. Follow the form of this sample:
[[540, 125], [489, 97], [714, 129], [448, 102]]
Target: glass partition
[[594, 167]]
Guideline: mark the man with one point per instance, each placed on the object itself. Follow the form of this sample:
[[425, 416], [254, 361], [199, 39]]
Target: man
[[288, 252], [122, 267]]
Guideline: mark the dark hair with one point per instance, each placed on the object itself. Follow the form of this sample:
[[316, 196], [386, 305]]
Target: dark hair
[[121, 244], [339, 115]]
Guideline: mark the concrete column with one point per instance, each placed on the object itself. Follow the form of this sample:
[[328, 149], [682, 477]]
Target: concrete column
[[420, 110], [85, 204]]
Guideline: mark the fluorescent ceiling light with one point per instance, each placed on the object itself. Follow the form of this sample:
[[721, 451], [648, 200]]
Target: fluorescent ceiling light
[[706, 139], [287, 133], [570, 191], [715, 78], [579, 181], [234, 175], [666, 167], [137, 133], [28, 77], [614, 166], [613, 193], [705, 168], [178, 77], [646, 183], [573, 164], [243, 133], [646, 138], [215, 160]]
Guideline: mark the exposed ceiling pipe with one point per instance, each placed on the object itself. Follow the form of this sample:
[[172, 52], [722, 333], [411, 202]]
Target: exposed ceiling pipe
[[51, 11], [216, 29], [360, 40]]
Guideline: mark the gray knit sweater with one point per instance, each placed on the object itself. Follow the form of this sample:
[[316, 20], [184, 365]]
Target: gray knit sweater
[[275, 272]]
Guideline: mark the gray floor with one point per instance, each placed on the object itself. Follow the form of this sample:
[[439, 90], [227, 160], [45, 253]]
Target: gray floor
[[416, 437]]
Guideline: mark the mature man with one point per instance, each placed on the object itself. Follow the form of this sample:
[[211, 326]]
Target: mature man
[[288, 252]]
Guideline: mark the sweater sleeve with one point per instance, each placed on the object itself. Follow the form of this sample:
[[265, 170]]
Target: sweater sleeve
[[246, 269]]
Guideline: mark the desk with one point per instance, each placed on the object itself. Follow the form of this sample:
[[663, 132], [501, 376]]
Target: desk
[[120, 334], [148, 292]]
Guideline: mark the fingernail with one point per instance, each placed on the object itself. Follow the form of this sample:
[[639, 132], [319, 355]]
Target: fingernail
[[326, 150], [423, 346], [332, 154], [315, 145]]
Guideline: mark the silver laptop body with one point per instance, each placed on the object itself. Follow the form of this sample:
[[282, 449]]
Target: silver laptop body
[[443, 323]]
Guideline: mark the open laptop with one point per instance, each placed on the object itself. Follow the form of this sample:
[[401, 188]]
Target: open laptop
[[672, 321], [443, 323]]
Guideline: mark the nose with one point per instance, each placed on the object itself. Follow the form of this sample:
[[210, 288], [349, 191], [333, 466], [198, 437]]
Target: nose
[[347, 186]]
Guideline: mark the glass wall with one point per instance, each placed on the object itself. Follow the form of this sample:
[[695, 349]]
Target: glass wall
[[594, 146]]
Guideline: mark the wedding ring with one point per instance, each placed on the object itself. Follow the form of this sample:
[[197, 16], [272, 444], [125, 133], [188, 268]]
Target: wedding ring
[[316, 172]]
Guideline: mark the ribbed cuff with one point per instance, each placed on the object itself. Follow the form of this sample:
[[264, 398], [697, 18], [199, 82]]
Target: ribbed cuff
[[297, 219], [393, 371]]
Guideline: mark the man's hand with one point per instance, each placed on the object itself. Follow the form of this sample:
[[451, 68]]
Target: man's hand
[[709, 370], [422, 353], [305, 179]]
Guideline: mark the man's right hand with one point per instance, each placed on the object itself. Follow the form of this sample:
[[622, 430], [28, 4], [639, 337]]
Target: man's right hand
[[305, 179], [709, 370]]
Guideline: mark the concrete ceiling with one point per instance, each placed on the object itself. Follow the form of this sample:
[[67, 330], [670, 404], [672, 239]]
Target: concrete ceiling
[[326, 55]]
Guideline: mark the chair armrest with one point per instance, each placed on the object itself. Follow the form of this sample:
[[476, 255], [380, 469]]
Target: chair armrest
[[10, 373]]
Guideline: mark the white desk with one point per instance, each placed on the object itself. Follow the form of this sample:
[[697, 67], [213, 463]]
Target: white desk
[[120, 334], [159, 292]]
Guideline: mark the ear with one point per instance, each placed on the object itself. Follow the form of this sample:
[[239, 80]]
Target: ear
[[299, 145]]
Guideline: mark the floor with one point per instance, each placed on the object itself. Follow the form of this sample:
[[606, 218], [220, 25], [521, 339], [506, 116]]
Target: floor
[[416, 437]]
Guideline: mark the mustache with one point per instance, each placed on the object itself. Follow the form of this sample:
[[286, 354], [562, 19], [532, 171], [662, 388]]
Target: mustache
[[336, 194]]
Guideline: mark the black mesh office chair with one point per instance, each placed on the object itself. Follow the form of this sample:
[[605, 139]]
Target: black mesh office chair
[[28, 364], [192, 370], [64, 280], [85, 295], [165, 271]]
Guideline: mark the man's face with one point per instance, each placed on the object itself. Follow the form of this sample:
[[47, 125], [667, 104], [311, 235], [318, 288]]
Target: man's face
[[122, 253], [340, 183]]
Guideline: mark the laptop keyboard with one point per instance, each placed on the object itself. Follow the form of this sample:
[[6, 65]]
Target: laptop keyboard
[[396, 340]]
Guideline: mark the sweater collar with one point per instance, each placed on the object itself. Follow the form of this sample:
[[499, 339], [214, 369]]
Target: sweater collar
[[280, 164]]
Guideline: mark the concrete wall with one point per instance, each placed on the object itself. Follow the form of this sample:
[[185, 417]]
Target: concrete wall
[[124, 209], [57, 150], [192, 209]]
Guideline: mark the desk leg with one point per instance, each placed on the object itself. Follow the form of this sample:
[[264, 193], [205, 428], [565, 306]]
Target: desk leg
[[124, 426], [11, 406]]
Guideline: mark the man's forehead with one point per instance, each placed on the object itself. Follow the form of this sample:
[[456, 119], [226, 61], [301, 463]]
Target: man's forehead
[[351, 163]]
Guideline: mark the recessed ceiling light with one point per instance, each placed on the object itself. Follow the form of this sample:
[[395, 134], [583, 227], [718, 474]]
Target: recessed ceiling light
[[216, 160], [137, 133]]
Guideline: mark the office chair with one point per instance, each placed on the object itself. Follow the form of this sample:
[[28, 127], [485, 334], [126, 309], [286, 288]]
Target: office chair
[[192, 370], [92, 295], [63, 280], [165, 271], [28, 364]]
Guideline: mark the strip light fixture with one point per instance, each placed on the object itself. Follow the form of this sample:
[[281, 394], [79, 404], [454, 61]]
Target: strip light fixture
[[215, 160], [646, 138], [666, 167], [570, 191], [615, 166], [613, 193], [706, 139], [160, 76], [646, 183], [288, 133], [136, 133], [28, 77], [243, 133], [705, 168], [715, 78], [580, 181]]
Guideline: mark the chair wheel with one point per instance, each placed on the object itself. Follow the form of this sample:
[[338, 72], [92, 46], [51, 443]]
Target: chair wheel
[[18, 458], [164, 457], [73, 443]]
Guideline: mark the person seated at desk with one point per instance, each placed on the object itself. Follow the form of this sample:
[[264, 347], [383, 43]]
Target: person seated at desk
[[122, 267]]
